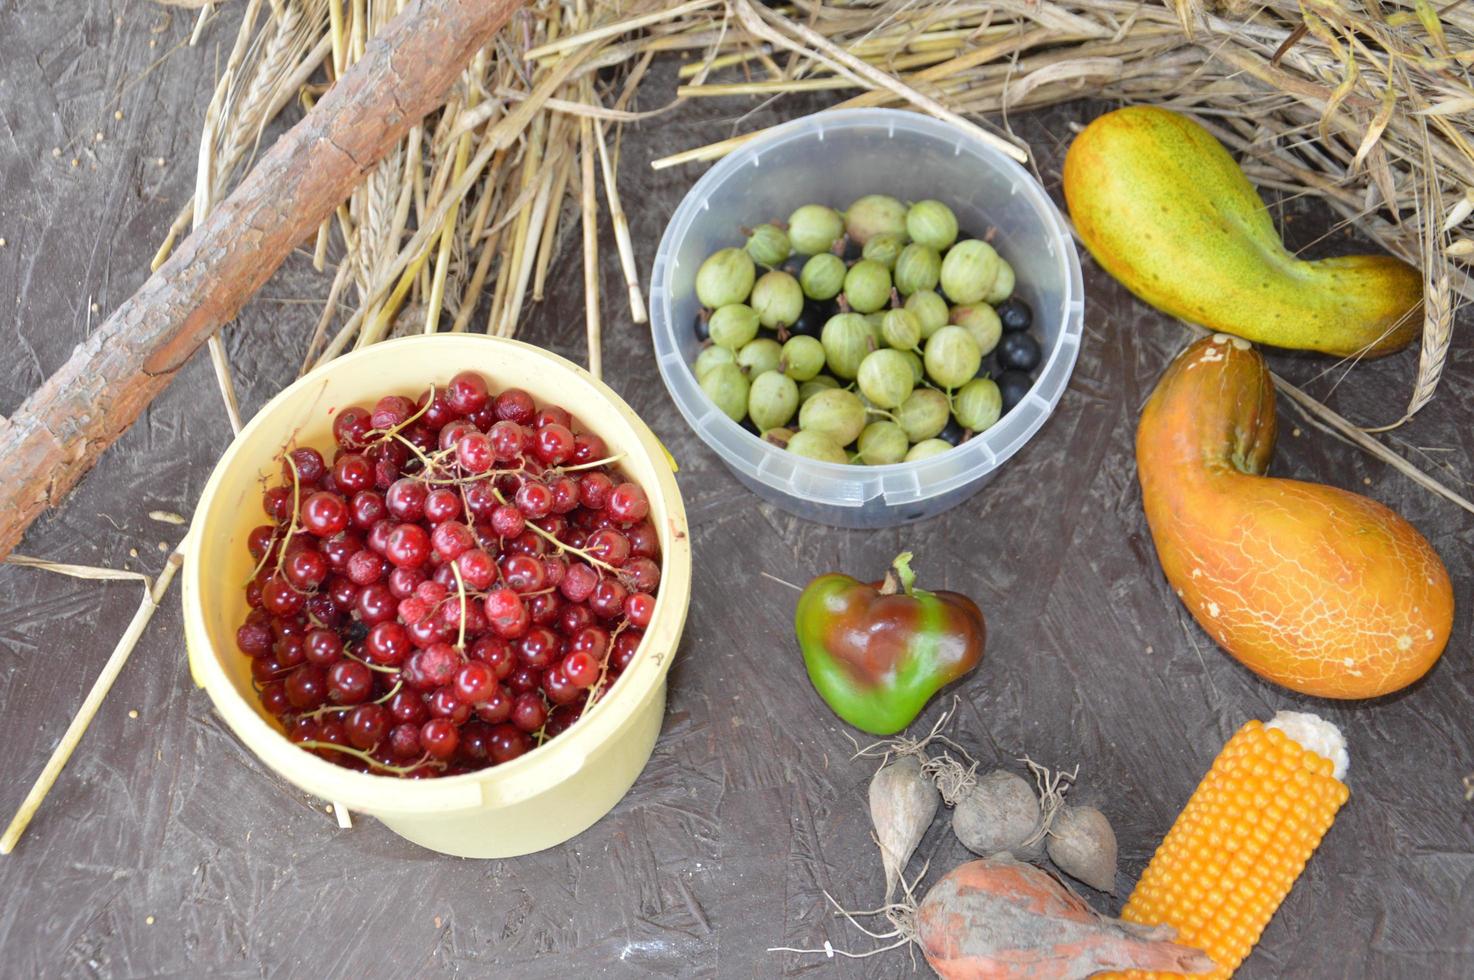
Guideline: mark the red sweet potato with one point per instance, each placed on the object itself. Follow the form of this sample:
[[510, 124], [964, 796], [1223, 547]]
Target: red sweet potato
[[997, 919]]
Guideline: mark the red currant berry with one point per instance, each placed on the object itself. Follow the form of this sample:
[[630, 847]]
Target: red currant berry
[[539, 648], [593, 490], [406, 499], [349, 682], [351, 427], [494, 652], [305, 569], [365, 725], [407, 546], [588, 448], [367, 508], [339, 548], [306, 687], [579, 582], [609, 546], [407, 707], [440, 413], [404, 741], [496, 707], [323, 647], [442, 505], [515, 405], [477, 569], [391, 410], [544, 607], [474, 682], [639, 607], [507, 742], [343, 593], [626, 645], [254, 639], [552, 415], [378, 536], [467, 392], [529, 712], [274, 699], [324, 514], [553, 443], [523, 573], [534, 499], [279, 598], [387, 643], [404, 581], [506, 614], [474, 453], [607, 600], [277, 502], [376, 604], [451, 538], [507, 521], [507, 441], [580, 669], [641, 573], [627, 503], [365, 568], [352, 473]]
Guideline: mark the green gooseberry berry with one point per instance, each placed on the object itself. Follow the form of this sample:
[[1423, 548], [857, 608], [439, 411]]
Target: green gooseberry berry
[[813, 386], [875, 214], [822, 276], [725, 277], [768, 245], [759, 356], [900, 329], [924, 414], [982, 322], [952, 357], [710, 357], [733, 325], [779, 436], [931, 223], [918, 267], [977, 404], [885, 378], [918, 370], [813, 444], [882, 442], [772, 400], [814, 228], [968, 271], [927, 448], [777, 298], [1002, 285], [726, 386], [837, 413], [867, 286], [884, 249], [930, 311], [803, 357], [846, 339]]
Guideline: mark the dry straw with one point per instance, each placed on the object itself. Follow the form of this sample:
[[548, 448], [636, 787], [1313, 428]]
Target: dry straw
[[1365, 105]]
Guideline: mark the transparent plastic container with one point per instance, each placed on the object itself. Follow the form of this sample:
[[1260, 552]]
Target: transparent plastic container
[[833, 158]]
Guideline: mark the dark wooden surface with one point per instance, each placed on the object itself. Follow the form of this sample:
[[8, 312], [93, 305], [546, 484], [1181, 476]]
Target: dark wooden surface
[[166, 849]]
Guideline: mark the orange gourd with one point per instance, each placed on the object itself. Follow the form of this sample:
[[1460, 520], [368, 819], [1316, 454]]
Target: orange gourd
[[1318, 589]]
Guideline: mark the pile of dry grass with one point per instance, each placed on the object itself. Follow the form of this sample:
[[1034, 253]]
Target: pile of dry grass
[[1366, 105]]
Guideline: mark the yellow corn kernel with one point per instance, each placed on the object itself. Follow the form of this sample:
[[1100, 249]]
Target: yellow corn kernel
[[1219, 879]]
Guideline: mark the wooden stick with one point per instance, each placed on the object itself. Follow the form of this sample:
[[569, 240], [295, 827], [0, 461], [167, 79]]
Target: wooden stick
[[59, 432], [152, 595]]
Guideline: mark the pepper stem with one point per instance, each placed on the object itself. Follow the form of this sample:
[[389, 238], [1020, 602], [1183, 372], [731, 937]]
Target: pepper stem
[[899, 577]]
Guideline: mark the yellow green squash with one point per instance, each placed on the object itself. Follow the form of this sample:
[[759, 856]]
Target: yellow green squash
[[1164, 208]]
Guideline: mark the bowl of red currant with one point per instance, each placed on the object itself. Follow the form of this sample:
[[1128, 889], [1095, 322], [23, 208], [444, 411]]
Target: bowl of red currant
[[441, 581]]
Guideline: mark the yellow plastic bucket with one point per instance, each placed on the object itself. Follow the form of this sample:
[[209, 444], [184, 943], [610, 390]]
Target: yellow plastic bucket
[[548, 795]]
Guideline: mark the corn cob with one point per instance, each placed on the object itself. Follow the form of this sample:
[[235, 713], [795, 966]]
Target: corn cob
[[1243, 838]]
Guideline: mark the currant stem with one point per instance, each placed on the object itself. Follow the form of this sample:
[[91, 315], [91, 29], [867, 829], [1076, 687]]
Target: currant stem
[[371, 666], [380, 435], [461, 594], [606, 461], [561, 546], [398, 683], [313, 743]]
